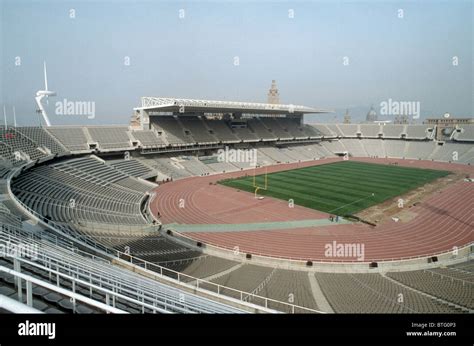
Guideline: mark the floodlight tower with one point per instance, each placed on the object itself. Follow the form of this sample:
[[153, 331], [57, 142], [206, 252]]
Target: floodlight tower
[[41, 94]]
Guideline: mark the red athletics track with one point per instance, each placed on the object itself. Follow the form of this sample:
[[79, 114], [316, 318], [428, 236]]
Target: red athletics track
[[444, 219]]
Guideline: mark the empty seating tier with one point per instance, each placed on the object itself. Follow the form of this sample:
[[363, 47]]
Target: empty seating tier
[[348, 130], [201, 267], [246, 278], [443, 285], [374, 148], [293, 127], [335, 130], [114, 137], [245, 134], [370, 130], [466, 134], [312, 132], [323, 130], [198, 130], [418, 131], [78, 191], [166, 166], [133, 167], [274, 127], [72, 138], [260, 129], [419, 150], [148, 139], [149, 246], [452, 152], [221, 131], [43, 138], [395, 148], [291, 287], [7, 155], [354, 147], [372, 293], [171, 129], [393, 131], [14, 143], [91, 169]]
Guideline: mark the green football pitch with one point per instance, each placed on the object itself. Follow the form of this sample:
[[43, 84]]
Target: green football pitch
[[339, 188]]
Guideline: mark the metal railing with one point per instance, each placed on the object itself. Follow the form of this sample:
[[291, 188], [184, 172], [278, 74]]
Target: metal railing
[[16, 307], [71, 294], [111, 281], [211, 287]]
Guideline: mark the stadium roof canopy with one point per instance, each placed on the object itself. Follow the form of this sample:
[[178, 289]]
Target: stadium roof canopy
[[162, 104]]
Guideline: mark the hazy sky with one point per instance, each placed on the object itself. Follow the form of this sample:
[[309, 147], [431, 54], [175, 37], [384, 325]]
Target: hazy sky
[[403, 59]]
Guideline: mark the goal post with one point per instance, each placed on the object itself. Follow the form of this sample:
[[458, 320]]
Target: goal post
[[259, 185]]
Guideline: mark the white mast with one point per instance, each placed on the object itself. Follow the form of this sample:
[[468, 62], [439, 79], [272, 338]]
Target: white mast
[[14, 117], [45, 76], [5, 117], [40, 94]]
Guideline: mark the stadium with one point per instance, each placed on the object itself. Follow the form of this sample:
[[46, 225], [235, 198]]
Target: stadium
[[202, 206]]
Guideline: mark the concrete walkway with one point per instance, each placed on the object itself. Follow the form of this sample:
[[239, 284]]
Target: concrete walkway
[[318, 295], [259, 226]]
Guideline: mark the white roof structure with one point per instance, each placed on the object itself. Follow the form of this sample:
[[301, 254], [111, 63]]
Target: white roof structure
[[164, 104]]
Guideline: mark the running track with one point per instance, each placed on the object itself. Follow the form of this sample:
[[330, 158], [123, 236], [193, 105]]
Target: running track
[[444, 220]]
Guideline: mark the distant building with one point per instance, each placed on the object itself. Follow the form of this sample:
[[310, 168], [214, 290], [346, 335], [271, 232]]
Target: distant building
[[347, 117], [449, 121], [371, 115], [401, 119], [445, 126], [273, 95], [135, 121]]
